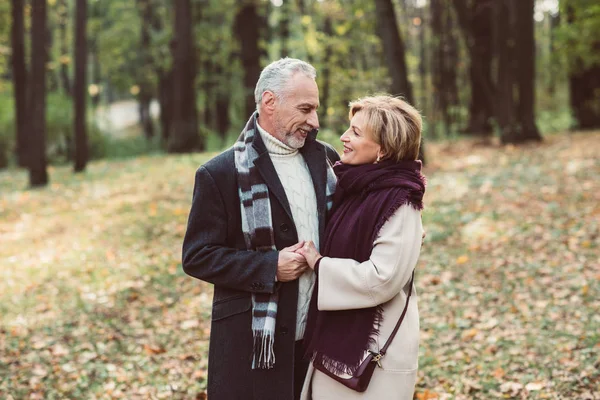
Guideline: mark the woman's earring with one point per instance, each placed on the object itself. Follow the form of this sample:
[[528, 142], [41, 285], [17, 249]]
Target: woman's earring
[[378, 159]]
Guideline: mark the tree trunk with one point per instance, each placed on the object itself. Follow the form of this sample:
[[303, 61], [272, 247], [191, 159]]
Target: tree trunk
[[326, 75], [525, 52], [584, 85], [221, 99], [450, 65], [164, 86], [208, 72], [64, 47], [19, 71], [551, 84], [247, 32], [423, 61], [165, 98], [80, 86], [145, 116], [146, 90], [284, 27], [185, 136], [476, 25], [440, 106], [38, 175], [505, 104], [393, 47]]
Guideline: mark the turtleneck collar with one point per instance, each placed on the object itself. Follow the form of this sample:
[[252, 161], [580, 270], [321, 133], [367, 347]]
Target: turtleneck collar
[[275, 146]]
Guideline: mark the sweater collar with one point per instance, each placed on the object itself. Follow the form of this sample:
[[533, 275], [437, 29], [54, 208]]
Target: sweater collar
[[275, 146]]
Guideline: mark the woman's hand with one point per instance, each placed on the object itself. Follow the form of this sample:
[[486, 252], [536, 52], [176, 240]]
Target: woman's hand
[[310, 253]]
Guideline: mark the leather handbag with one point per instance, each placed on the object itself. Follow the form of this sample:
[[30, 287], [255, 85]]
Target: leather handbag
[[359, 381]]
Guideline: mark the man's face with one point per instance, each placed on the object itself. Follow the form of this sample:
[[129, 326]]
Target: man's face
[[296, 115]]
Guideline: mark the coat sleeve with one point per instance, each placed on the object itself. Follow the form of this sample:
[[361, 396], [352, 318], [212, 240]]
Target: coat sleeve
[[206, 255], [348, 284]]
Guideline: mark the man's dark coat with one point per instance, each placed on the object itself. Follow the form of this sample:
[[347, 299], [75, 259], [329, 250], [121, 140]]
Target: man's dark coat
[[214, 251]]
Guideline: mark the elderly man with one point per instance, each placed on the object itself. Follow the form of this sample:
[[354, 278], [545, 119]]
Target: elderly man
[[252, 206]]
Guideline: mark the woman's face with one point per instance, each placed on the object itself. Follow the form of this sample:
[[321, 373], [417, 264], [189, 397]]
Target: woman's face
[[359, 147]]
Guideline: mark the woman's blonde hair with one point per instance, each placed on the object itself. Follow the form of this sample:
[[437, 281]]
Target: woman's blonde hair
[[393, 124]]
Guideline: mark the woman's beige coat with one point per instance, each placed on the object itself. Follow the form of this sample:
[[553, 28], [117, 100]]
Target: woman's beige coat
[[383, 279]]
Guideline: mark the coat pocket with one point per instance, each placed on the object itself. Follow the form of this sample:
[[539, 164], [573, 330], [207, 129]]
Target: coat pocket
[[228, 307]]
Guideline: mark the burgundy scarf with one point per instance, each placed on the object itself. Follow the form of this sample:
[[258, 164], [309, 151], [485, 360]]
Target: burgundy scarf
[[365, 198]]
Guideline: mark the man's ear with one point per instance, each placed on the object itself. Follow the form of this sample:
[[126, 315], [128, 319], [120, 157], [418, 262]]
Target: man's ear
[[268, 102]]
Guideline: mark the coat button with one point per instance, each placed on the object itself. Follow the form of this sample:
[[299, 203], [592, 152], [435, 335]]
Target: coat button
[[284, 227], [284, 330], [260, 286]]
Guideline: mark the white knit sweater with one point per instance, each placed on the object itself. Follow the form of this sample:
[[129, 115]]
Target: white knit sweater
[[299, 190]]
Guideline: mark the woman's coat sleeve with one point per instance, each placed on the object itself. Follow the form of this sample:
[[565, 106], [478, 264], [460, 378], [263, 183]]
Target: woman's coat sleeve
[[347, 284]]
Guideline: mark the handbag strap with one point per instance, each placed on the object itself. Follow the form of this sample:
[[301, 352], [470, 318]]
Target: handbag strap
[[387, 343]]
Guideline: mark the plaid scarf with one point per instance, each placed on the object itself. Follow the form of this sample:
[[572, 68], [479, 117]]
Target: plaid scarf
[[257, 227]]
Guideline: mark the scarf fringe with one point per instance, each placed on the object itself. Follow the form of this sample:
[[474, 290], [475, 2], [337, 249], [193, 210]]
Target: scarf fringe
[[263, 355], [340, 367]]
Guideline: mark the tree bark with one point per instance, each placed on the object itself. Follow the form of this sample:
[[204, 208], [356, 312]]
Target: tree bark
[[284, 27], [584, 85], [80, 87], [247, 32], [423, 62], [64, 47], [525, 51], [184, 136], [393, 46], [38, 175], [19, 71], [505, 102], [146, 90], [326, 75], [165, 98], [222, 122], [164, 87], [208, 85], [476, 25], [440, 106]]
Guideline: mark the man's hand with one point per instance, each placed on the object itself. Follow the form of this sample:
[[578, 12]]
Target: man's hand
[[290, 265], [310, 253]]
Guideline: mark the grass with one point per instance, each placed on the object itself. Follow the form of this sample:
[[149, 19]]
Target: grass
[[93, 302]]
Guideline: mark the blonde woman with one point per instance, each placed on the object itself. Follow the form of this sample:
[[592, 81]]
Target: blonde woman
[[372, 243]]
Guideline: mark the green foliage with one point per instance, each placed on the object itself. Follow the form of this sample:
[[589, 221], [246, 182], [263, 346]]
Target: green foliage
[[106, 146], [549, 121], [579, 33], [116, 32], [7, 135], [5, 25]]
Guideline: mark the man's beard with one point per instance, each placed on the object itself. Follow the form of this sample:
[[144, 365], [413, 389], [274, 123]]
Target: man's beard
[[288, 137], [293, 141]]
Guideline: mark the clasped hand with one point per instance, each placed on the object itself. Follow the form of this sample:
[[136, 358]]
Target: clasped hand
[[294, 260]]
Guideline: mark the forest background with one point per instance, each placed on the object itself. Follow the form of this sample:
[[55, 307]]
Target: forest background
[[108, 107]]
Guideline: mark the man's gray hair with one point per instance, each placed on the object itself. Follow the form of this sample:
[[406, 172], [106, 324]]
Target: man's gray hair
[[275, 77]]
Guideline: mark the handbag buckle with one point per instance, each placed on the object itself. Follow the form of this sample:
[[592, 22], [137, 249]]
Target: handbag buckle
[[377, 358]]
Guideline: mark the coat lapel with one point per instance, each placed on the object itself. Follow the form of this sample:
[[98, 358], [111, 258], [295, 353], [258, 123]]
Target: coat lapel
[[269, 175], [314, 155]]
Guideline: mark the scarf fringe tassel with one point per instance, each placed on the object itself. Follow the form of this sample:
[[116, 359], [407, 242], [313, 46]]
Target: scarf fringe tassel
[[263, 354]]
